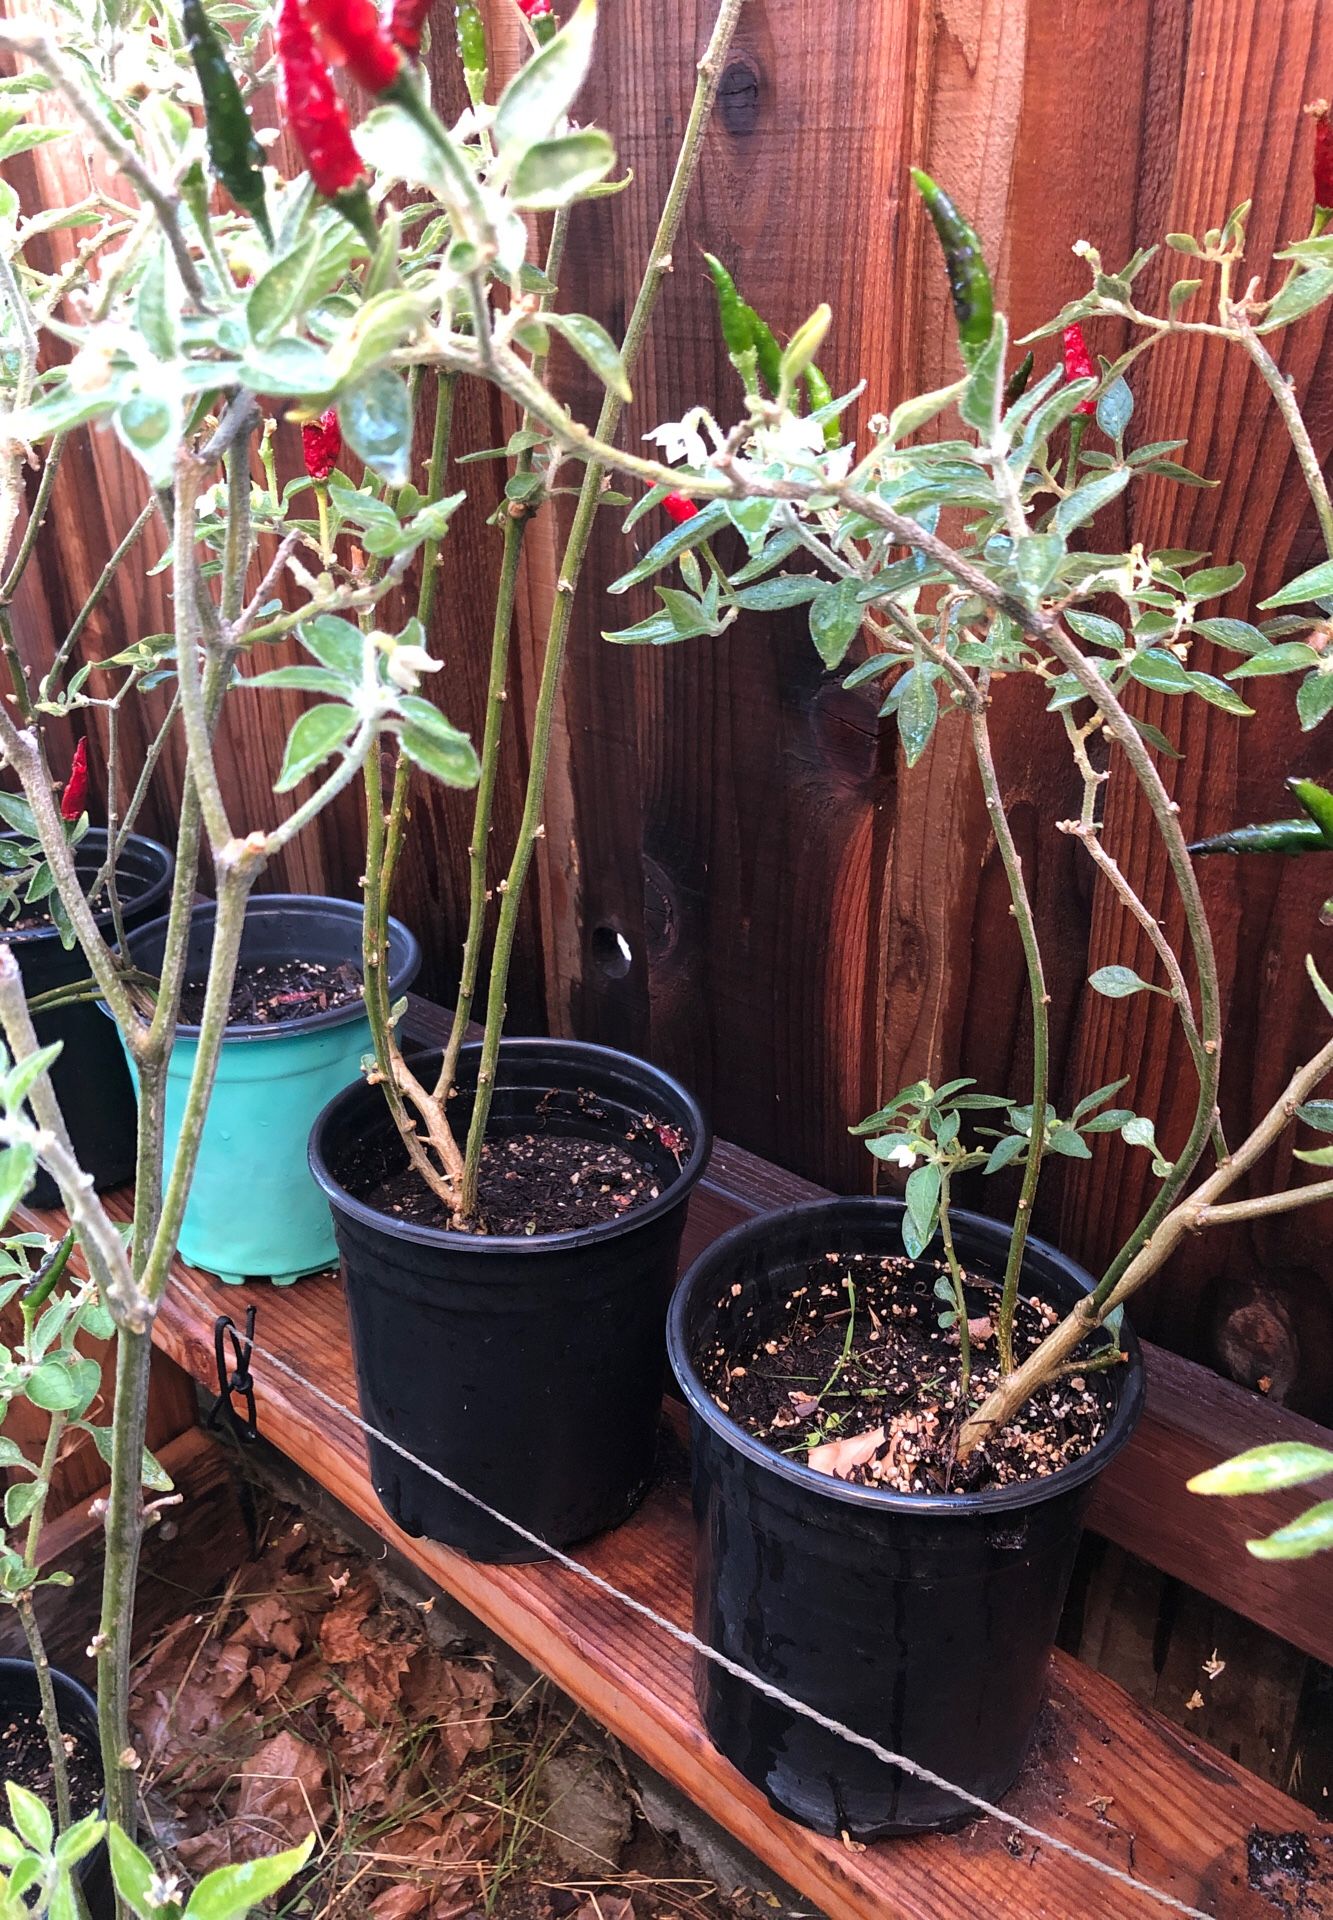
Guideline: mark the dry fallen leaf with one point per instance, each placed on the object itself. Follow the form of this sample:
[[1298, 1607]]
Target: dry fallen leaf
[[283, 1793], [840, 1457], [403, 1902], [605, 1906]]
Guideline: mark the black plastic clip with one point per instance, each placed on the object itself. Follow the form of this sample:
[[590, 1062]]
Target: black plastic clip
[[236, 1380]]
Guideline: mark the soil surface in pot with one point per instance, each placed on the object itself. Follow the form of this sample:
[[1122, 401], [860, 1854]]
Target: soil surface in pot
[[282, 990], [534, 1183], [25, 1756], [852, 1373]]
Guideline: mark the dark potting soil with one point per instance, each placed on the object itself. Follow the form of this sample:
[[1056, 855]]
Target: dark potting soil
[[854, 1375], [25, 1756], [534, 1183], [280, 990]]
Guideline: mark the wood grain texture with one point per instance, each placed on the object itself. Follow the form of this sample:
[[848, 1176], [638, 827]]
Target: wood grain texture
[[1178, 1813]]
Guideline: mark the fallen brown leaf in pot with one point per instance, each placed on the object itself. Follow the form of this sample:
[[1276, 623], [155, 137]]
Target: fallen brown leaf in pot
[[840, 1457]]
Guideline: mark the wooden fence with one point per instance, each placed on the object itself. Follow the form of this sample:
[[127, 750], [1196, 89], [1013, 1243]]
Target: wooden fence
[[808, 926]]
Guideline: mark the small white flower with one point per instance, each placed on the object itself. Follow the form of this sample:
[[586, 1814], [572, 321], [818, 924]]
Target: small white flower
[[407, 664], [903, 1156], [681, 441], [162, 1889]]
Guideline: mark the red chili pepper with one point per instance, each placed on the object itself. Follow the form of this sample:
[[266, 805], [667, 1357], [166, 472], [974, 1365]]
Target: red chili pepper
[[317, 117], [322, 442], [1079, 363], [540, 17], [406, 19], [351, 35], [1323, 155], [676, 506], [74, 798]]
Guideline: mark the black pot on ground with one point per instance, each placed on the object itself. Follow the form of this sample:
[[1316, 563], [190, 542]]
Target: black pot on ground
[[528, 1369], [78, 1716], [922, 1622], [91, 1079]]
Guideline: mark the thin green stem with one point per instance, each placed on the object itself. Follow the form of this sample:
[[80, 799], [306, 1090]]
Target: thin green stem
[[50, 1708], [1021, 905], [124, 1535], [1285, 401], [104, 579], [530, 826], [959, 1294]]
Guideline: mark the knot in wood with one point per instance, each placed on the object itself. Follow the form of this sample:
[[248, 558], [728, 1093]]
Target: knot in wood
[[738, 97]]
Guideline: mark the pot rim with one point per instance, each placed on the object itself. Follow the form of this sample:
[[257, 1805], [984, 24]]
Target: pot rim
[[510, 1246], [869, 1500], [30, 936], [279, 905]]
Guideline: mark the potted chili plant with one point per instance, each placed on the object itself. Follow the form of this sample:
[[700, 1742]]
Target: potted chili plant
[[899, 1408]]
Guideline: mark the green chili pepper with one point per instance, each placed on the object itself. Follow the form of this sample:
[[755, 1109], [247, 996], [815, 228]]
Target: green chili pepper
[[1311, 835], [735, 318], [472, 48], [234, 154], [1318, 803], [43, 1282], [1276, 836], [1018, 381], [820, 395], [767, 352], [969, 281]]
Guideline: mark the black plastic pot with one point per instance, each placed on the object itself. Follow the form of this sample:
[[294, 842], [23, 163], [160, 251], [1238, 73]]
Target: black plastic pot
[[78, 1715], [91, 1079], [925, 1622], [528, 1370]]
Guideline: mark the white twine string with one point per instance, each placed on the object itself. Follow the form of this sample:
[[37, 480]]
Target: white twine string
[[685, 1638]]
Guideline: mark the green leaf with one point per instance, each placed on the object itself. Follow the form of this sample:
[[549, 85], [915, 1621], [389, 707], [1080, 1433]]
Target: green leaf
[[335, 643], [376, 420], [17, 1167], [1065, 1141], [147, 425], [593, 344], [1115, 408], [836, 614], [1117, 983], [153, 313], [921, 410], [688, 534], [1312, 1533], [783, 590], [923, 1200], [20, 1080], [1299, 296], [394, 141], [918, 709], [1097, 629], [1091, 1101], [301, 679], [384, 323], [984, 388], [230, 1893], [1314, 698], [1287, 1463], [151, 1472], [1289, 657], [1210, 583], [1089, 499], [554, 172], [132, 1871], [277, 294], [32, 1821], [1037, 559], [1159, 670], [1237, 636], [1316, 583], [1181, 294], [312, 739], [542, 92], [1218, 693], [1317, 1113], [78, 1841], [1004, 1151], [20, 1499], [435, 745]]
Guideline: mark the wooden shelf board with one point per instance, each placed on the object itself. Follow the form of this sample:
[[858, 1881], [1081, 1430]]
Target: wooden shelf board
[[1105, 1775]]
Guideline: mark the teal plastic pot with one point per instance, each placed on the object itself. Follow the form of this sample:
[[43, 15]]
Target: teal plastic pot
[[254, 1210]]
